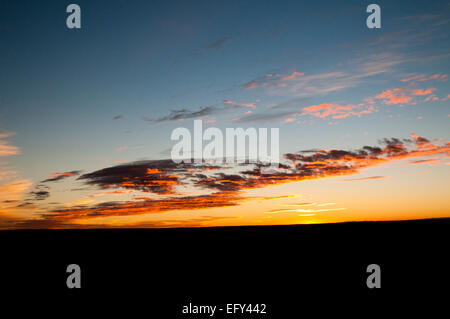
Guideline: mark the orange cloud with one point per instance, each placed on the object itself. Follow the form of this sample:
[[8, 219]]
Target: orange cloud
[[337, 111], [5, 148], [423, 92], [403, 95], [432, 161], [394, 96], [218, 189], [14, 190], [219, 199]]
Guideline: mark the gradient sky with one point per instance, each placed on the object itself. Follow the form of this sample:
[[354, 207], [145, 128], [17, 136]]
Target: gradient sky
[[84, 112]]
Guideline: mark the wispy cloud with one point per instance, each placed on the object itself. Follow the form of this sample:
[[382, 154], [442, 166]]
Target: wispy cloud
[[252, 105], [422, 77], [301, 84], [363, 178], [432, 161], [182, 114], [262, 117], [216, 45], [7, 149], [60, 176]]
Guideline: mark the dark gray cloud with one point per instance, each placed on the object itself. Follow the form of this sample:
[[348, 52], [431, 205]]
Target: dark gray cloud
[[40, 195], [60, 176], [216, 45], [182, 114], [155, 176]]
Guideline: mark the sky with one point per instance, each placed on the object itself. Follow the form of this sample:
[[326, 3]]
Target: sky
[[86, 115]]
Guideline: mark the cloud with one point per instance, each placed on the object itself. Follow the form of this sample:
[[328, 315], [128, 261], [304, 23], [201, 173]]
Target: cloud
[[40, 195], [14, 190], [403, 95], [394, 97], [337, 111], [300, 84], [423, 92], [5, 148], [252, 105], [215, 187], [251, 85], [422, 77], [182, 114], [107, 209], [262, 117], [154, 176], [60, 176], [216, 45], [10, 190], [326, 163], [308, 211], [291, 76], [363, 178], [432, 161], [293, 103]]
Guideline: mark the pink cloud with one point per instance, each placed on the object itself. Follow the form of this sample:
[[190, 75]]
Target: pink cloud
[[432, 97], [422, 77], [439, 77], [291, 76], [272, 80], [415, 78], [251, 85]]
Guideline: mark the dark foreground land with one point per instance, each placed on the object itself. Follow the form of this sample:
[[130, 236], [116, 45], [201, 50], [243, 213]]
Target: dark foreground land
[[289, 268]]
